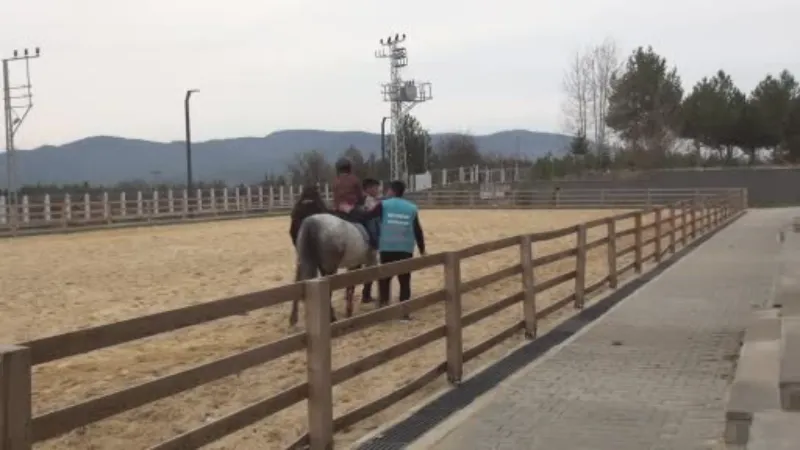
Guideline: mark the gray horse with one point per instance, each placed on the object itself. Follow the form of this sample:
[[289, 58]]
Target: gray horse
[[326, 242]]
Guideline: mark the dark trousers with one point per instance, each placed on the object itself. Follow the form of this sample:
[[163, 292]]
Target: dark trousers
[[384, 284]]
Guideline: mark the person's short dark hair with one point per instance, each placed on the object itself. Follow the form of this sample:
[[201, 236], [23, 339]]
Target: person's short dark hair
[[344, 165], [310, 191], [398, 187], [370, 182]]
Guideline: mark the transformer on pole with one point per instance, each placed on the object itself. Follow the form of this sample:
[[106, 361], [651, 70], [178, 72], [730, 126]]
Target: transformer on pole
[[17, 102], [402, 95]]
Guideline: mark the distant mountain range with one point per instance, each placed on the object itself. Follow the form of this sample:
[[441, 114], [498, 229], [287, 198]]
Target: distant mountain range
[[109, 160]]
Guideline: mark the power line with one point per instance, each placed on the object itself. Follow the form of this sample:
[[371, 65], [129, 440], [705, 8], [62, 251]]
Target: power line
[[402, 96], [17, 102]]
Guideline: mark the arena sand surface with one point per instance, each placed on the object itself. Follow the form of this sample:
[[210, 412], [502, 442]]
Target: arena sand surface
[[54, 284]]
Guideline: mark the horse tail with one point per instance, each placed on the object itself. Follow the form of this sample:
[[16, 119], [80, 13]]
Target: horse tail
[[308, 249]]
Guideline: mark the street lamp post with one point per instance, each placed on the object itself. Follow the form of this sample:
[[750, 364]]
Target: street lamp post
[[188, 123]]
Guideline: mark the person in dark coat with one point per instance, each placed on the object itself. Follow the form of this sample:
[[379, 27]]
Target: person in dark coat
[[309, 203]]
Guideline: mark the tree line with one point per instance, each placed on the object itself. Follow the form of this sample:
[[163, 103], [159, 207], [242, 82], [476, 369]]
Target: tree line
[[637, 113], [630, 114]]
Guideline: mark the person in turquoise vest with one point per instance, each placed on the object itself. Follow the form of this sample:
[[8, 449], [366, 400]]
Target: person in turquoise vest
[[400, 231]]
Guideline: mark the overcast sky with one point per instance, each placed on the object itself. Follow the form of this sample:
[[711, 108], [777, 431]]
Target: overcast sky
[[121, 68]]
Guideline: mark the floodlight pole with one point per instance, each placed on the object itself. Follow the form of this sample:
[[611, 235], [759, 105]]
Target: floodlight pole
[[383, 140], [402, 96]]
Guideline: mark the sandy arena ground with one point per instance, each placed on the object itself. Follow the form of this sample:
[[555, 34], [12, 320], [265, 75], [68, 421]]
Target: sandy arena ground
[[53, 284]]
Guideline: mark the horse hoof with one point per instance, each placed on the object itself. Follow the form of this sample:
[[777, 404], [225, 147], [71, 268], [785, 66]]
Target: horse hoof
[[367, 300]]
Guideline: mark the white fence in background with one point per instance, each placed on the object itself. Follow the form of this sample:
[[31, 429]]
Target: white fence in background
[[65, 212]]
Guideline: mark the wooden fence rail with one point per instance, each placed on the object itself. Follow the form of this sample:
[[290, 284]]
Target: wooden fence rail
[[62, 213], [676, 223]]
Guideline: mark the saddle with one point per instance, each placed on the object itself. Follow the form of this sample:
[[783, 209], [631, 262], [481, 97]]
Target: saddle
[[356, 217]]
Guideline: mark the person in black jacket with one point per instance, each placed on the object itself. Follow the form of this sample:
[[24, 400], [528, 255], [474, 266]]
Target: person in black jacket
[[310, 203]]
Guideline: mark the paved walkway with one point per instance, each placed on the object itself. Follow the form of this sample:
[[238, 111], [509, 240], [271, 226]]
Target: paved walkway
[[650, 374]]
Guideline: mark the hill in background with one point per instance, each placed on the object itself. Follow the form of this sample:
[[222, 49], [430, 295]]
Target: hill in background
[[110, 160]]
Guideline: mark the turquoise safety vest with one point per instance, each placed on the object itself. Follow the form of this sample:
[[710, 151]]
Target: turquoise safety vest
[[397, 226]]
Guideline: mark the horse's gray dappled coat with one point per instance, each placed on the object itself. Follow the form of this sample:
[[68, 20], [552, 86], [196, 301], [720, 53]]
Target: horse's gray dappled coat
[[325, 243]]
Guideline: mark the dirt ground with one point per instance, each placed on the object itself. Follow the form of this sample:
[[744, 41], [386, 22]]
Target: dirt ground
[[54, 284]]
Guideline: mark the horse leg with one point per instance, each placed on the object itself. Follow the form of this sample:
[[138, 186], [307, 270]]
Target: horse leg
[[325, 273], [372, 261], [333, 313], [349, 295], [293, 316]]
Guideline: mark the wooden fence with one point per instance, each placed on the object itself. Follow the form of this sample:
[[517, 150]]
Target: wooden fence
[[672, 226], [58, 214]]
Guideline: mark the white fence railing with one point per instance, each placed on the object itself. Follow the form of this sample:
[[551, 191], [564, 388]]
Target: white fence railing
[[66, 212]]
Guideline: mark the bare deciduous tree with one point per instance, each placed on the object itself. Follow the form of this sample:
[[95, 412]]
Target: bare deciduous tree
[[605, 63], [310, 168], [576, 85], [457, 150], [587, 85]]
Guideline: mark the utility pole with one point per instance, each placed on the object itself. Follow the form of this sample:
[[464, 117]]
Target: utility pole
[[402, 95], [188, 123], [17, 103]]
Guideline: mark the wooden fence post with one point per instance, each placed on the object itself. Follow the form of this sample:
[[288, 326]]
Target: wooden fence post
[[198, 195], [638, 248], [106, 208], [139, 204], [712, 212], [715, 213], [15, 398], [455, 347], [672, 224], [320, 389], [87, 207], [580, 266], [47, 214], [26, 209], [703, 216], [611, 253], [528, 286], [67, 209], [248, 204], [659, 235], [693, 229], [123, 204], [271, 200], [684, 222]]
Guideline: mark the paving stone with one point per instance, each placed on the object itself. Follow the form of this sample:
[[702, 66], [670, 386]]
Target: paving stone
[[665, 386]]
